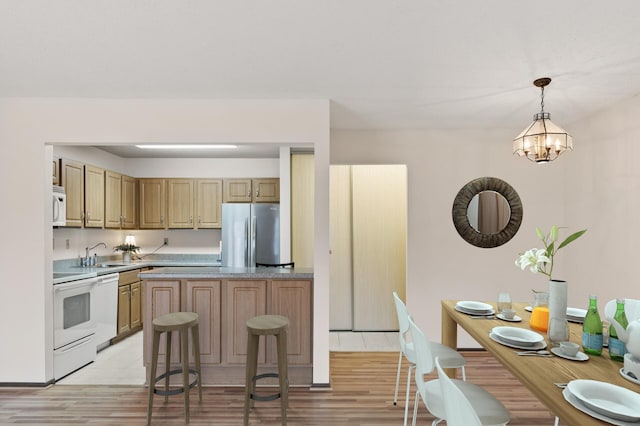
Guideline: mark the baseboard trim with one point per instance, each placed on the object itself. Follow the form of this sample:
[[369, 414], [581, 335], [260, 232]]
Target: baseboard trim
[[26, 384]]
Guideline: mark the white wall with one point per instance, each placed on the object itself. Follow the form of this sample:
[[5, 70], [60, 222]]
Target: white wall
[[579, 190], [602, 190], [27, 125]]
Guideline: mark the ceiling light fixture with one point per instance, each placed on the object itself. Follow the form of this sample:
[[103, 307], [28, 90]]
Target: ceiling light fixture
[[542, 141], [186, 146]]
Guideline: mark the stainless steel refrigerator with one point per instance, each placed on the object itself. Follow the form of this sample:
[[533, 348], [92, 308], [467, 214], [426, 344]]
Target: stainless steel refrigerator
[[250, 234]]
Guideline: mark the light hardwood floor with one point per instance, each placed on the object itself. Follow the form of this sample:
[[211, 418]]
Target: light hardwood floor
[[361, 394]]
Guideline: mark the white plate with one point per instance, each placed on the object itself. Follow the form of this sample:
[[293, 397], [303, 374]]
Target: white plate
[[465, 311], [628, 377], [576, 315], [608, 399], [514, 319], [580, 356], [474, 307], [517, 336], [528, 308], [536, 347], [571, 399]]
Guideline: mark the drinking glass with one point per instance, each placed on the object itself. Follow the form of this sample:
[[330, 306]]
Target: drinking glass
[[540, 315], [504, 301]]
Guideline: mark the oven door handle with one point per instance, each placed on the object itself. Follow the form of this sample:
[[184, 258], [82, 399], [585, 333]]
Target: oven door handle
[[74, 285], [75, 345]]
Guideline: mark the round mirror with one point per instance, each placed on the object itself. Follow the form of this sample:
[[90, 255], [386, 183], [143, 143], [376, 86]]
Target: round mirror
[[487, 212]]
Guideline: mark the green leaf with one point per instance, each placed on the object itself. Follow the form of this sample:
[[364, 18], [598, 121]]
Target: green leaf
[[571, 238], [550, 250]]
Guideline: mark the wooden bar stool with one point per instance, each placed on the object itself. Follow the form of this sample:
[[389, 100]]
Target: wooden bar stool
[[180, 322], [266, 325]]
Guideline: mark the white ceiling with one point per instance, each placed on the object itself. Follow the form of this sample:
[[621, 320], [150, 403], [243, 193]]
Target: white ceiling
[[384, 64]]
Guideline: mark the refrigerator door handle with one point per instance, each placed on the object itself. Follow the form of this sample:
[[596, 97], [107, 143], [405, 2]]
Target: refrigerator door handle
[[246, 242], [254, 233]]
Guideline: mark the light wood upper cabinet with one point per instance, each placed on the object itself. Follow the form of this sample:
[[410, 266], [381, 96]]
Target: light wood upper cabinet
[[112, 199], [56, 172], [72, 179], [208, 203], [152, 203], [180, 203], [237, 190], [120, 208], [93, 197], [266, 190], [259, 190], [129, 202]]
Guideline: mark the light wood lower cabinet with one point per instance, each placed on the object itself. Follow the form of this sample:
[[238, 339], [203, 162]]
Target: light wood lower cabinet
[[223, 308], [242, 300], [129, 303], [203, 298], [292, 299]]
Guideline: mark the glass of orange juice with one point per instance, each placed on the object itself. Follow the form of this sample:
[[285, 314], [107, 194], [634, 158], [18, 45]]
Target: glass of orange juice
[[540, 314]]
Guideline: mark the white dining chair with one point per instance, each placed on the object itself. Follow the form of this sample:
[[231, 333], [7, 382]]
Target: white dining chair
[[488, 409], [449, 357], [631, 309], [465, 408]]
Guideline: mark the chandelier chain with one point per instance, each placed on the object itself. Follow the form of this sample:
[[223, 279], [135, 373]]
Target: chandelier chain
[[542, 100]]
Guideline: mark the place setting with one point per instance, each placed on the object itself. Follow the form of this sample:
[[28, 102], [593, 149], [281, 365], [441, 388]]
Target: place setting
[[604, 401], [575, 315], [570, 351], [505, 308], [475, 309], [518, 338]]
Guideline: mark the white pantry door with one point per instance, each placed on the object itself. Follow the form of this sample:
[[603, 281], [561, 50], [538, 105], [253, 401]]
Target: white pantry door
[[368, 245]]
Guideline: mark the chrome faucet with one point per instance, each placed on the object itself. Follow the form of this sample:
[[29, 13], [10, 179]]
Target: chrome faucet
[[87, 260]]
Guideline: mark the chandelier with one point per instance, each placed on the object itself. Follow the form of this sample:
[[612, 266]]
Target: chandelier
[[542, 141]]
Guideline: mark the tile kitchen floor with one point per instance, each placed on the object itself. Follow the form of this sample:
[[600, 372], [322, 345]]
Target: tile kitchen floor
[[121, 364]]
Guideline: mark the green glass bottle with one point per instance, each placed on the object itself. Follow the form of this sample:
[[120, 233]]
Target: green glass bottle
[[616, 346], [592, 329]]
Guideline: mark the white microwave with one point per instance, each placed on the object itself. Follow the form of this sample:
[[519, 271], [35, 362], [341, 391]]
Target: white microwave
[[59, 206]]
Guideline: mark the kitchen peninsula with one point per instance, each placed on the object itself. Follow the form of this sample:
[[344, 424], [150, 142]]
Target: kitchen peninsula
[[225, 298]]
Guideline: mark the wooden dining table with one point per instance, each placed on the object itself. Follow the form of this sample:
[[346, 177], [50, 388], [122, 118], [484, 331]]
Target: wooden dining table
[[538, 374]]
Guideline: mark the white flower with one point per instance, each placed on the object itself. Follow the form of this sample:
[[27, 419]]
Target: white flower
[[533, 259], [541, 260]]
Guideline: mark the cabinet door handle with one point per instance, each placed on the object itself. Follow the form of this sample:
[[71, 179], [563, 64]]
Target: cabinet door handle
[[249, 193], [257, 192], [190, 219], [161, 220], [199, 221]]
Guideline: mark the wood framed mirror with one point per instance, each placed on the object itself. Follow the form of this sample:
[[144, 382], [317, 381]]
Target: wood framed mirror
[[487, 212]]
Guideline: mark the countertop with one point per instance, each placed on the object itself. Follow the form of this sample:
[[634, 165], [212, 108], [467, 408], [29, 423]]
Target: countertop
[[205, 272], [64, 271], [179, 267]]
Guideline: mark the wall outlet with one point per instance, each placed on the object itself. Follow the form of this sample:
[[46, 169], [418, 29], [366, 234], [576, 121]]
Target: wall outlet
[[166, 241]]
